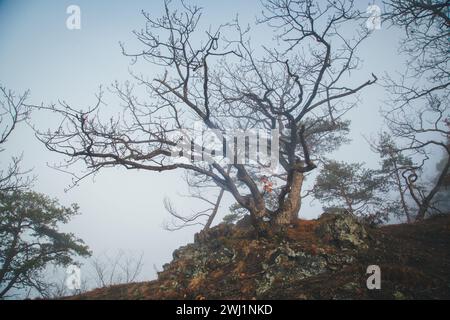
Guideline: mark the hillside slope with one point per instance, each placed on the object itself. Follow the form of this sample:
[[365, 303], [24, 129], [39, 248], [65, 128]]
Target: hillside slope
[[325, 258]]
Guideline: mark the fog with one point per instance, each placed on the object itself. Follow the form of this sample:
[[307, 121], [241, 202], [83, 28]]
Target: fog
[[123, 209]]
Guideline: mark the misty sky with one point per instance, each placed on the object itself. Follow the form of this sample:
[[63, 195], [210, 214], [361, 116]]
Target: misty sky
[[124, 209]]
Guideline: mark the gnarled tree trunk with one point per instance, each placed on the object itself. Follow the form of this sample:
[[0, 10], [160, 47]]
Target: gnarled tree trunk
[[287, 213], [289, 208]]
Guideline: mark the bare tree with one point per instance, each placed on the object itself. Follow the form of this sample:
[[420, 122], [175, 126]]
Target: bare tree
[[299, 86], [101, 271], [120, 268], [57, 288], [200, 187], [418, 113], [29, 238], [13, 110]]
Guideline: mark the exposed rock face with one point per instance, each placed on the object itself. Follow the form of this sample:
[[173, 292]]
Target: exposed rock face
[[325, 258], [255, 267], [344, 229]]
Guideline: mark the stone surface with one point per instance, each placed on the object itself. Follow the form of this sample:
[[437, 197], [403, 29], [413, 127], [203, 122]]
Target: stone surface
[[325, 258], [344, 229]]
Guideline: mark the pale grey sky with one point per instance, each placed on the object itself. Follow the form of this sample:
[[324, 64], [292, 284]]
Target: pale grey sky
[[124, 209]]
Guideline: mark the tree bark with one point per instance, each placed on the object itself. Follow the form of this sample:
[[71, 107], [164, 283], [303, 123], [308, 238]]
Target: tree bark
[[288, 212], [215, 209], [425, 204]]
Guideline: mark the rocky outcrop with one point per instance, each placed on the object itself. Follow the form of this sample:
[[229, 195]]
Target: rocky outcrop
[[325, 258], [343, 228], [255, 266]]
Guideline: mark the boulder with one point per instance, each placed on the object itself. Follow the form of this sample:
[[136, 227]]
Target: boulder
[[343, 229]]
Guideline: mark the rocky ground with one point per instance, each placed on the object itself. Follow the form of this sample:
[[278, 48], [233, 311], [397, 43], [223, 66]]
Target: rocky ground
[[325, 258]]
